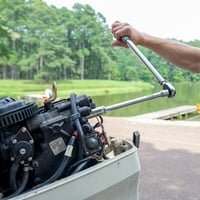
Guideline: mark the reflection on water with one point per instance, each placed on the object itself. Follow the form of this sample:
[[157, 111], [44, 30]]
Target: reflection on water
[[187, 94]]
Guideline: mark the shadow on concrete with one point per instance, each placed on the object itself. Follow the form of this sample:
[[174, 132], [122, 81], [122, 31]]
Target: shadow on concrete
[[168, 175]]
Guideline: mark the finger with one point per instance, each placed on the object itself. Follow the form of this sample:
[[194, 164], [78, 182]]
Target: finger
[[118, 33], [118, 43], [120, 30], [116, 23], [115, 26]]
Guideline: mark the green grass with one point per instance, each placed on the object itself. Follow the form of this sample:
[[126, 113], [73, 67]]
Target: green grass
[[19, 88]]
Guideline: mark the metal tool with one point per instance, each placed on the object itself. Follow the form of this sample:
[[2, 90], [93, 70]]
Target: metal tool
[[167, 89]]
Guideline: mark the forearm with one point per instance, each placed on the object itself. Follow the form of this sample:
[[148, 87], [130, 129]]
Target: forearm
[[179, 54]]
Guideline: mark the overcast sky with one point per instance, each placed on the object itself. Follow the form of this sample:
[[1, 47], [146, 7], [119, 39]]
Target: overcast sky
[[164, 18]]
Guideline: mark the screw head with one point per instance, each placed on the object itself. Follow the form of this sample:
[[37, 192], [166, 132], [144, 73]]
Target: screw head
[[31, 141], [22, 162], [23, 129], [12, 158], [22, 151], [14, 141], [30, 159]]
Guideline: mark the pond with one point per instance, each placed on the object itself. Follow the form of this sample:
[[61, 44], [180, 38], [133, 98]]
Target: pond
[[187, 94]]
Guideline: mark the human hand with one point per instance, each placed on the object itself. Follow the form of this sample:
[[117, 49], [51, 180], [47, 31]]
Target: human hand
[[120, 29]]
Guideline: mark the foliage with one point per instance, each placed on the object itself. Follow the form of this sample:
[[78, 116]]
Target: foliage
[[46, 43]]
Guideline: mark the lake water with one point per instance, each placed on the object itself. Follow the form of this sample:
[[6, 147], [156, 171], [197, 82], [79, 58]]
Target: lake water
[[187, 94]]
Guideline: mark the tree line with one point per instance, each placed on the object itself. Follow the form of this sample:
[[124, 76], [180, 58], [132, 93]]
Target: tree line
[[43, 42]]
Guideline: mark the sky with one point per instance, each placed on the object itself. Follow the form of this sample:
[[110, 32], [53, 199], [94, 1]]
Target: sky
[[177, 19]]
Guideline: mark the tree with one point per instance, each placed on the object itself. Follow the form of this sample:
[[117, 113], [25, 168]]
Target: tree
[[49, 43], [111, 71], [88, 39], [131, 73]]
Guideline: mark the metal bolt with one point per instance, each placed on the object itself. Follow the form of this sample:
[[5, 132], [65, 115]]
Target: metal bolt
[[23, 129], [14, 141], [31, 141], [12, 158], [22, 151], [30, 159], [22, 162]]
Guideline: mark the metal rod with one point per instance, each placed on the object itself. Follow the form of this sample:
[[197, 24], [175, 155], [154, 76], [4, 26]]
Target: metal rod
[[168, 89], [152, 69], [102, 109]]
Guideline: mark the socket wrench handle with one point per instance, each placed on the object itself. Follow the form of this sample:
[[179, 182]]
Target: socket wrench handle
[[168, 89], [151, 68], [104, 109]]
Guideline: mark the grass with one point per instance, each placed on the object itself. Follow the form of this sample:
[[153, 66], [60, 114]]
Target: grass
[[19, 88]]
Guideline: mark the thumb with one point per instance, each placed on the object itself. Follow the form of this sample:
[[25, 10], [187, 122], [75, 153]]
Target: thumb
[[119, 43]]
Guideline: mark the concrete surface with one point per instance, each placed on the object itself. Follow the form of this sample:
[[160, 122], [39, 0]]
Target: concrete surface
[[169, 154]]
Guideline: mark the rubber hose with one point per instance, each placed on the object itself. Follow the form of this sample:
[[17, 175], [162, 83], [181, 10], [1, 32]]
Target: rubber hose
[[23, 183], [13, 172], [62, 166], [22, 186], [78, 163], [81, 167], [78, 126], [57, 174]]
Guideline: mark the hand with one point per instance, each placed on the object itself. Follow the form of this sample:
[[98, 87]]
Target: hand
[[121, 29]]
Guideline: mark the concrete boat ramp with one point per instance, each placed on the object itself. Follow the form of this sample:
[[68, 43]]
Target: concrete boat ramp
[[169, 152], [153, 126], [170, 113]]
